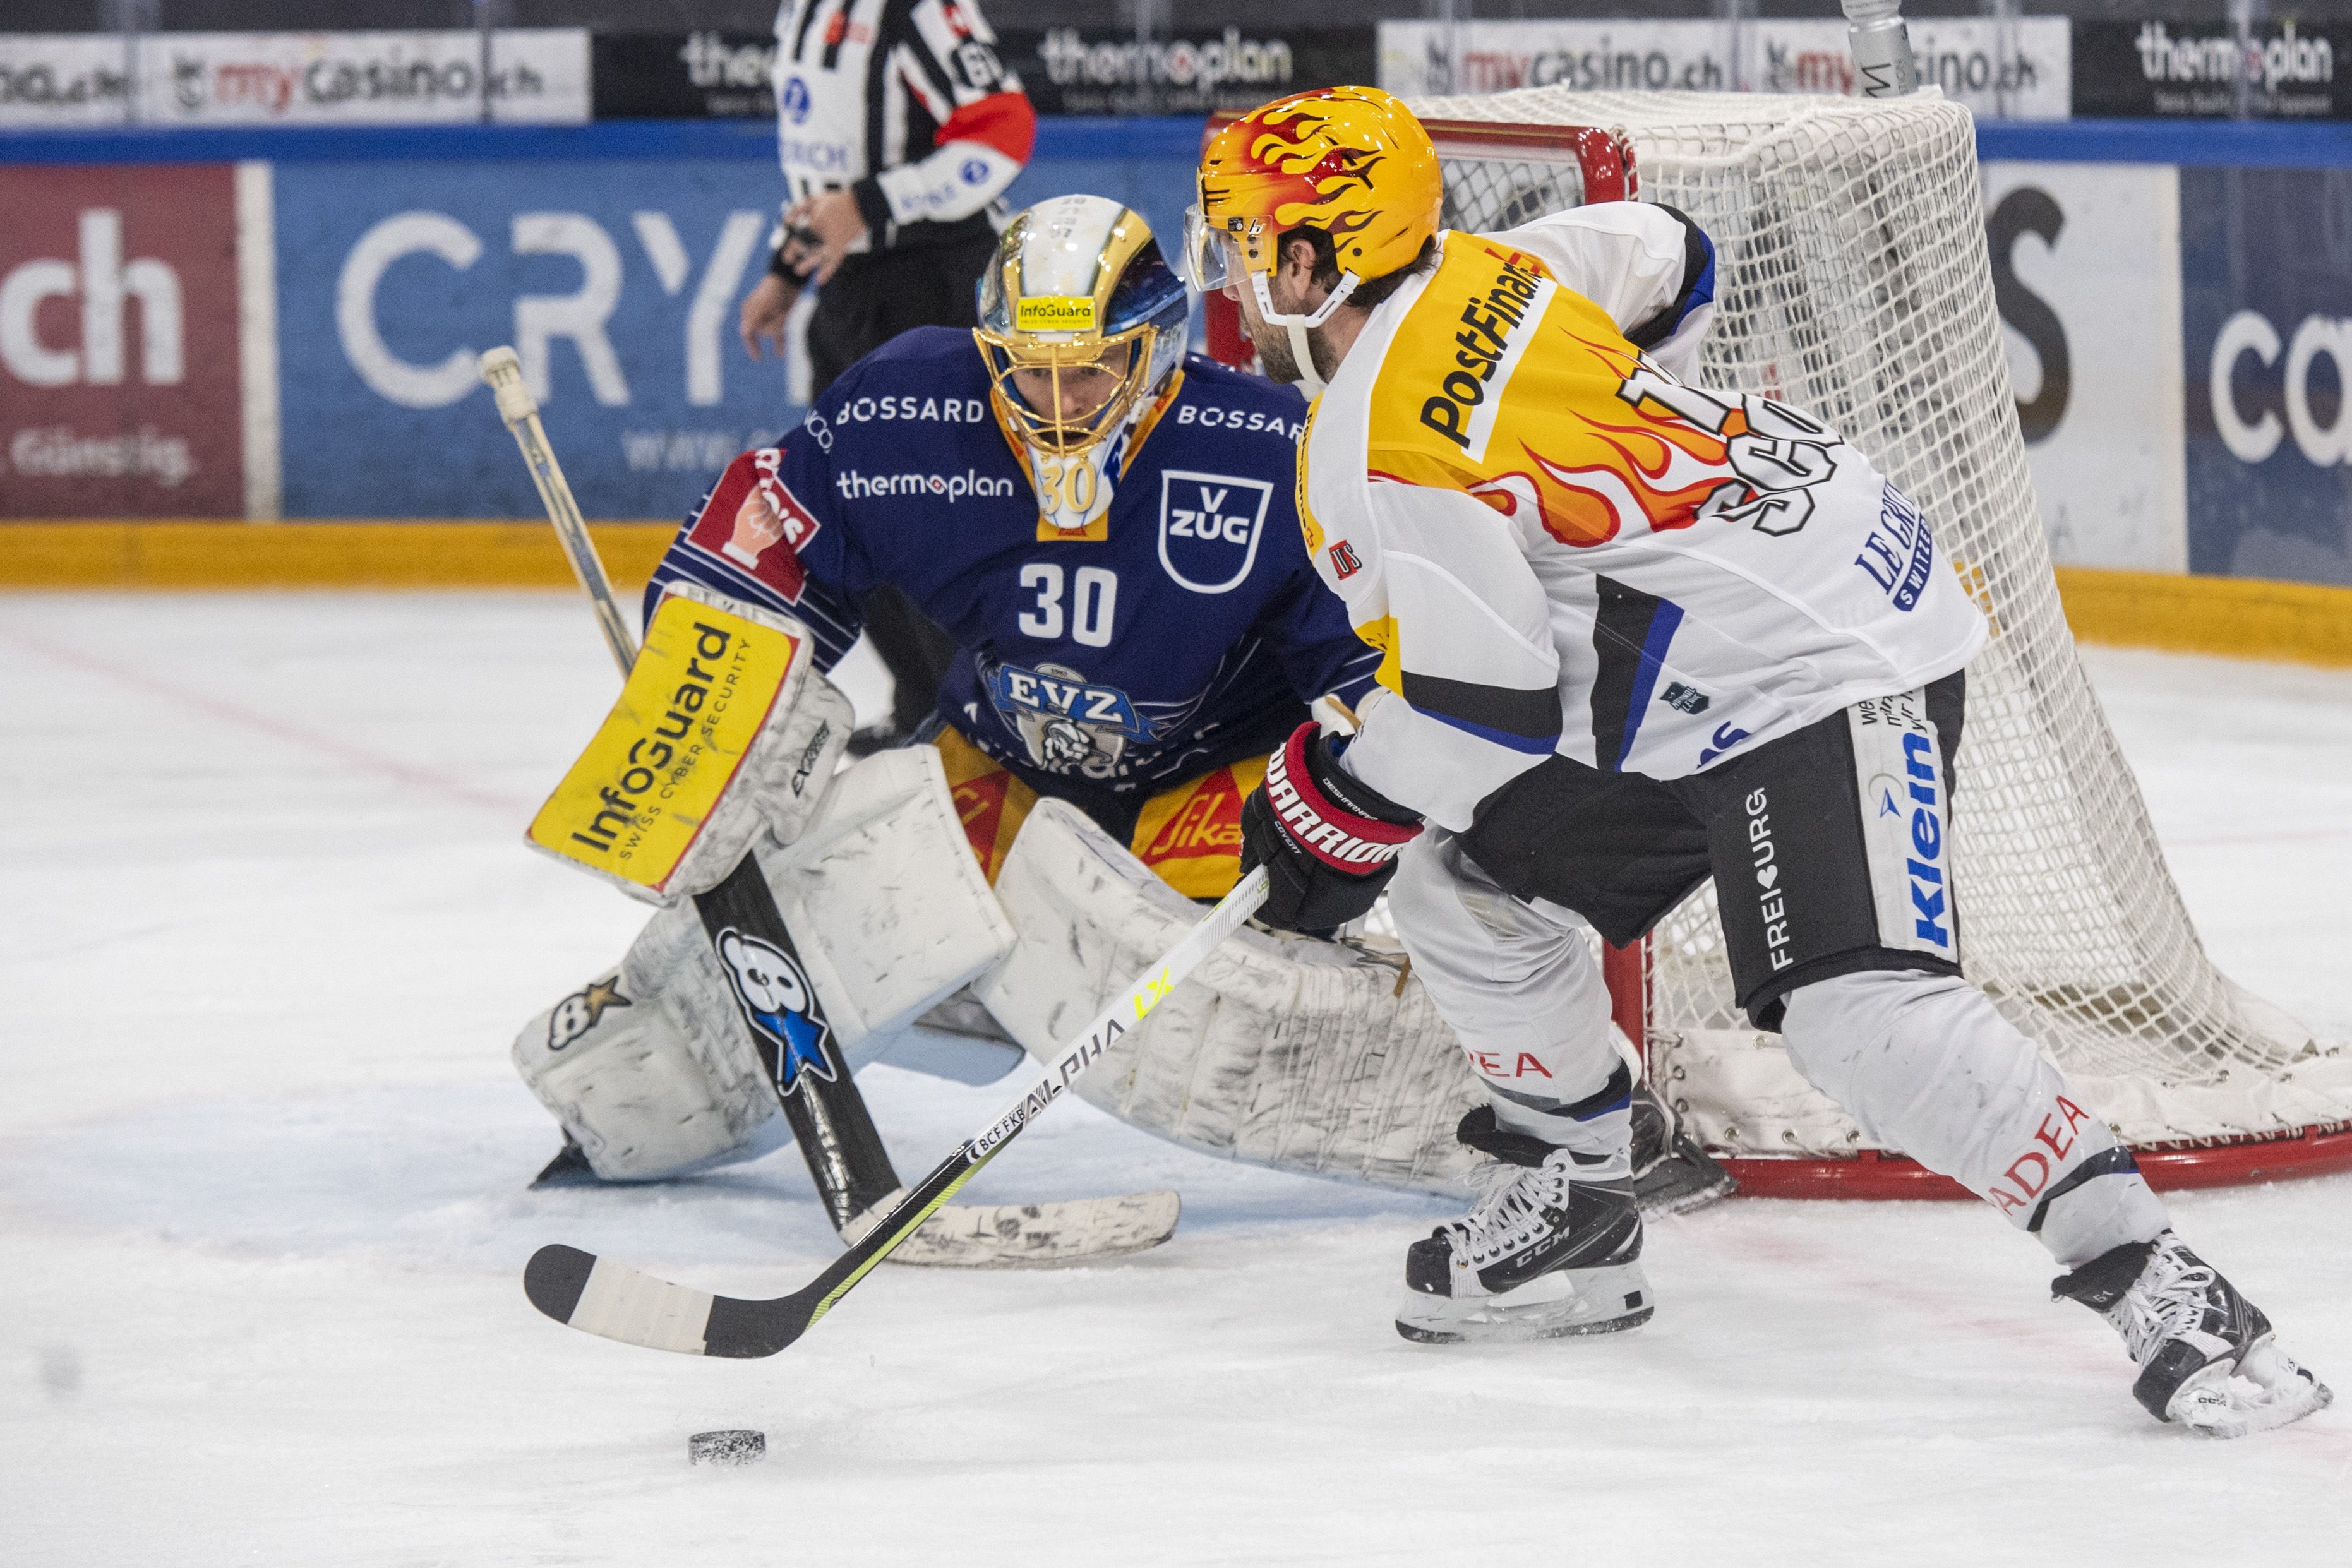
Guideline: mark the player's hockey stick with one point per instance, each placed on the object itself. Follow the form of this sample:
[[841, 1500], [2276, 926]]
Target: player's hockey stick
[[830, 1123], [598, 1296]]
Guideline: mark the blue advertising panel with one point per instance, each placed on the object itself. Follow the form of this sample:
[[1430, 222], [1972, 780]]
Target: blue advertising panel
[[2266, 291], [617, 280]]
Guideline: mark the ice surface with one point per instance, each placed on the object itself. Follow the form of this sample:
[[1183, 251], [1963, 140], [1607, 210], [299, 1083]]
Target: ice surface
[[268, 928]]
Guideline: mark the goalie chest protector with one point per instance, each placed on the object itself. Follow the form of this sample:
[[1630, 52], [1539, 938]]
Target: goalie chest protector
[[1181, 631]]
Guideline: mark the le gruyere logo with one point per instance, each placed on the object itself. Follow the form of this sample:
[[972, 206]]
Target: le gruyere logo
[[1053, 313], [700, 690]]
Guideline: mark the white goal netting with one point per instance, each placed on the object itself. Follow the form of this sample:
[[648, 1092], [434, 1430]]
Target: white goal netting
[[1853, 281]]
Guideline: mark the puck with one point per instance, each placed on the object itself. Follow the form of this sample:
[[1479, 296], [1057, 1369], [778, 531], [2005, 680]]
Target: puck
[[732, 1445]]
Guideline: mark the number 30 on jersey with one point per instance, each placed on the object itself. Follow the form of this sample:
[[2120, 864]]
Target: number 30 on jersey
[[1094, 601]]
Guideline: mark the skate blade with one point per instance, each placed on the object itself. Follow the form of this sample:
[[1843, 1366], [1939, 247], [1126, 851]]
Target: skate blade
[[1564, 1304], [2264, 1391]]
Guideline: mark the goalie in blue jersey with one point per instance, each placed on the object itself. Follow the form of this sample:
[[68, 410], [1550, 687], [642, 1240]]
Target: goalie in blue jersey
[[1108, 527], [1103, 523]]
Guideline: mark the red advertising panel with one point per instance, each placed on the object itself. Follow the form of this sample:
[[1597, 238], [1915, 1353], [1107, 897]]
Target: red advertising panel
[[119, 389]]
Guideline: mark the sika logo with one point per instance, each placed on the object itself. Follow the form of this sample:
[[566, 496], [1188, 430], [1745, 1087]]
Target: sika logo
[[1771, 903]]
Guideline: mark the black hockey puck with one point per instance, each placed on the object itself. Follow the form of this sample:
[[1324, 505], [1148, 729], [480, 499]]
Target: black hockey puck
[[733, 1445]]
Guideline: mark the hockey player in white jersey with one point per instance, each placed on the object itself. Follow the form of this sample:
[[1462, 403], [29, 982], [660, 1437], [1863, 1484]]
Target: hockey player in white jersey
[[1636, 633]]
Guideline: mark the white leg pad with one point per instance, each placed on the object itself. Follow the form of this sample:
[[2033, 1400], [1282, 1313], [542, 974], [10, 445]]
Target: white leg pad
[[652, 1069], [1293, 1053], [884, 898]]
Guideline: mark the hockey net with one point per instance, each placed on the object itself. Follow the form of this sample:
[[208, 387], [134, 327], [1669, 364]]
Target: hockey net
[[1852, 280]]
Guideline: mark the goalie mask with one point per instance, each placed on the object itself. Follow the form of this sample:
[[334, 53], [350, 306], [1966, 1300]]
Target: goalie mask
[[1082, 324]]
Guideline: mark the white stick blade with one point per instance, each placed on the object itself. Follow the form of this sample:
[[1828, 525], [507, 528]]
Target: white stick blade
[[1034, 1234]]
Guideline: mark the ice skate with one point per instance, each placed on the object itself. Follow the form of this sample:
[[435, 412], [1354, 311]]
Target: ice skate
[[1554, 1248], [2205, 1356]]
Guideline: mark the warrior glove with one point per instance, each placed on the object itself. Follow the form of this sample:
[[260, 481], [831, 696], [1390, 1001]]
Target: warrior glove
[[1329, 841]]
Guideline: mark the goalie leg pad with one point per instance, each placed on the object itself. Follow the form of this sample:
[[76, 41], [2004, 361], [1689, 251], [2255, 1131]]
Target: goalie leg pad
[[649, 1068], [653, 1070], [1291, 1052]]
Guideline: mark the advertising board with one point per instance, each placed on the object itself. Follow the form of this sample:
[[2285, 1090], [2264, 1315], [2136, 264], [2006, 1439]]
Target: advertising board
[[617, 281], [2086, 274], [536, 75], [2019, 68], [2266, 291], [2171, 69], [121, 392], [64, 79]]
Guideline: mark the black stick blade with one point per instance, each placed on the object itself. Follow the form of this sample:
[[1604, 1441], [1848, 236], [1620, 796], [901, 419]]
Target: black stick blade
[[554, 1278]]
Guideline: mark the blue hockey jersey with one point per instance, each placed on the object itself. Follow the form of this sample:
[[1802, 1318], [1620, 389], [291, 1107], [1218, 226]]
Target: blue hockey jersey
[[1187, 635]]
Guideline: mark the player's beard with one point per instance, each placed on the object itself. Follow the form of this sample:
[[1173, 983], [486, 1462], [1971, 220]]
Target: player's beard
[[1279, 362]]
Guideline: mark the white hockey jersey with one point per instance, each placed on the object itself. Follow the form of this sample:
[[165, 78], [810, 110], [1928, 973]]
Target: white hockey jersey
[[1560, 544]]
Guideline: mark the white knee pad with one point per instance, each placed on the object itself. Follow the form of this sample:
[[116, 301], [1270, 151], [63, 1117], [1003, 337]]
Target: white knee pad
[[654, 1071], [1927, 1065]]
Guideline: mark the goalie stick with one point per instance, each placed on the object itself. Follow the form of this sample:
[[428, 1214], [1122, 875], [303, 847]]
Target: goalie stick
[[598, 1296], [820, 1098]]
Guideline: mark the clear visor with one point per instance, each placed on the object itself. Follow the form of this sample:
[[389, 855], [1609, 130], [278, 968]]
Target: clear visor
[[1209, 259]]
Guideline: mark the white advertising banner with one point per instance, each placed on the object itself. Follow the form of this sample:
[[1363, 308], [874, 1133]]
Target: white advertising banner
[[2021, 69], [2086, 267], [63, 79], [536, 75]]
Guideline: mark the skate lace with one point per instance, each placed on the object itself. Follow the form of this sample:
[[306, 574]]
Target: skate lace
[[2169, 1298], [1510, 1215]]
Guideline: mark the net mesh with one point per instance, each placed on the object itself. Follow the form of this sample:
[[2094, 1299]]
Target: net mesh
[[1852, 280]]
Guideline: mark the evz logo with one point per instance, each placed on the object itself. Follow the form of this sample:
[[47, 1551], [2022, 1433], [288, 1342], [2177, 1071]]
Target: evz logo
[[1065, 723], [1209, 528], [779, 1005], [578, 1013]]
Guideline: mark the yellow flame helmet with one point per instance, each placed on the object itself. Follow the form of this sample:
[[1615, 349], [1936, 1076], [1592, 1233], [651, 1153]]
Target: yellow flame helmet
[[1350, 161], [1078, 290]]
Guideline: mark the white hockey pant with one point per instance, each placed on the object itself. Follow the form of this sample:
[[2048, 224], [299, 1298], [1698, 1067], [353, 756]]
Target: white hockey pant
[[1924, 1063], [1518, 983]]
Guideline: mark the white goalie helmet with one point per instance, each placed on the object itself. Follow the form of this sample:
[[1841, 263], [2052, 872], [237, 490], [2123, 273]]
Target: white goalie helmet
[[1082, 324]]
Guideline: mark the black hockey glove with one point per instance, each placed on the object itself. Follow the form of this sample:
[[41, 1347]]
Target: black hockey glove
[[1329, 841]]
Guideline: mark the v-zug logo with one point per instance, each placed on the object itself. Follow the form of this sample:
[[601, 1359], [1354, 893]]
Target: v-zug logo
[[1209, 528], [779, 1005]]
